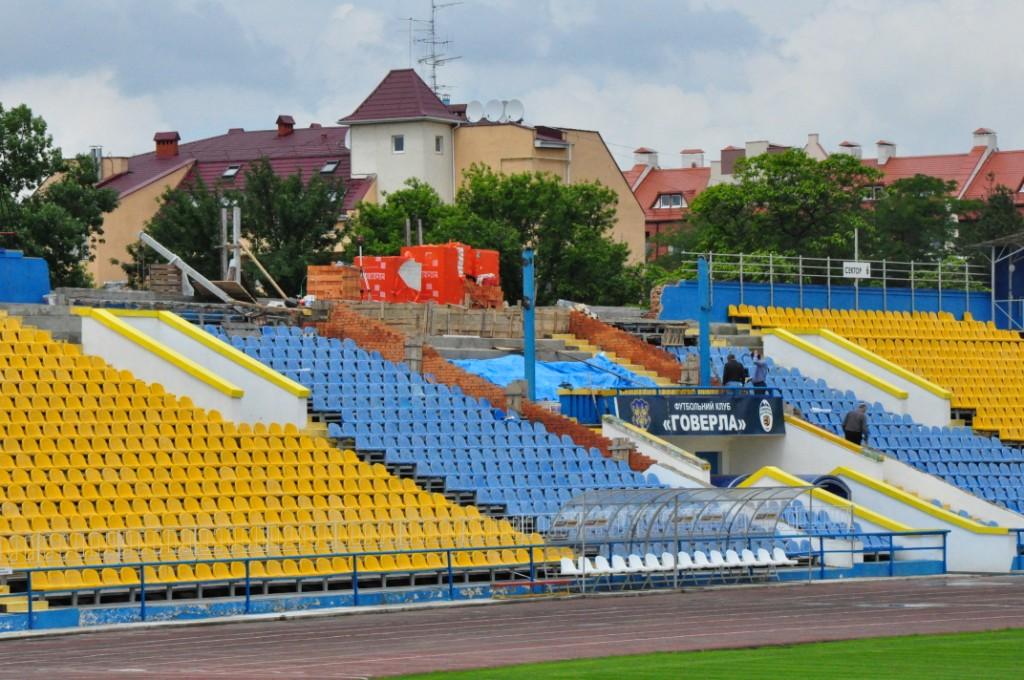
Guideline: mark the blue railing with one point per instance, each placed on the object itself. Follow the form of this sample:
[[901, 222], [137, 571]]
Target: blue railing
[[587, 406], [449, 567]]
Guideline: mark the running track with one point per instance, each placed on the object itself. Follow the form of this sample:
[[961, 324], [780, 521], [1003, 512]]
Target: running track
[[376, 644]]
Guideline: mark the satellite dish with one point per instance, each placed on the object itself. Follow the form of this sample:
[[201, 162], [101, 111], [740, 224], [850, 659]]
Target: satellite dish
[[494, 110], [348, 138], [474, 111], [514, 110]]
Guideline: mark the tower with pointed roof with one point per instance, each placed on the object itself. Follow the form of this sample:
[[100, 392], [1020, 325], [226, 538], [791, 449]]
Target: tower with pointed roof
[[402, 130]]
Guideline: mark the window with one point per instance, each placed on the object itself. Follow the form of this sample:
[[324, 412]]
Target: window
[[397, 143], [873, 193], [231, 171], [438, 144], [329, 167], [669, 201]]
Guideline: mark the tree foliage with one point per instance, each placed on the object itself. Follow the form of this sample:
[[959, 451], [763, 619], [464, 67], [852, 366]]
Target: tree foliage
[[188, 223], [61, 222], [913, 220], [380, 228], [995, 217], [786, 203]]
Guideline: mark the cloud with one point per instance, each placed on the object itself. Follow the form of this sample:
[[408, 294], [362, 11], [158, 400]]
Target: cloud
[[86, 110]]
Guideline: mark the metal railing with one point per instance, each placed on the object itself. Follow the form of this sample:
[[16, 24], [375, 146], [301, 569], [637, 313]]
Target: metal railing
[[528, 570], [955, 275]]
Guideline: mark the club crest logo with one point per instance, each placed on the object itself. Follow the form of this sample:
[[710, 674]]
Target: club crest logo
[[764, 415], [641, 413]]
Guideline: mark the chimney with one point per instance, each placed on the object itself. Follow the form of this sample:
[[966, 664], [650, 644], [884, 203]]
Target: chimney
[[985, 137], [692, 158], [886, 150], [645, 156], [756, 148], [96, 152], [285, 125], [852, 148], [166, 144]]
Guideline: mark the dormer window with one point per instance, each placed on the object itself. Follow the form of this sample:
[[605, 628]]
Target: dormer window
[[669, 201], [329, 167], [231, 171]]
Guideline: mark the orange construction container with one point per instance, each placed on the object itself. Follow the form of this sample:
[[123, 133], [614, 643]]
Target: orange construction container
[[487, 269], [467, 258], [380, 280], [441, 282]]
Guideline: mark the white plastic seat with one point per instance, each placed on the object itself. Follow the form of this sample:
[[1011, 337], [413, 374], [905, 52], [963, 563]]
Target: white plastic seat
[[668, 561], [716, 560], [732, 559], [747, 558], [619, 565], [601, 566], [684, 563], [701, 561], [781, 559], [651, 563], [764, 558], [588, 567], [569, 567], [636, 565]]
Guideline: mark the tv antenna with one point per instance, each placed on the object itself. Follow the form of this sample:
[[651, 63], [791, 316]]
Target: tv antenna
[[434, 45]]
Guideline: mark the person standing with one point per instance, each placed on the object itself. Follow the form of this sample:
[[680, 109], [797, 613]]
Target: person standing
[[733, 373], [855, 424], [760, 378]]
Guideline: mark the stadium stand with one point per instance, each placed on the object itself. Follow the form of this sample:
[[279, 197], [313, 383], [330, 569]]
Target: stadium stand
[[981, 465], [383, 406], [983, 366], [99, 468]]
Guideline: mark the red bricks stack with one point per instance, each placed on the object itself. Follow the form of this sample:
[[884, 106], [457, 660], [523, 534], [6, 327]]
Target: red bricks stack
[[625, 345]]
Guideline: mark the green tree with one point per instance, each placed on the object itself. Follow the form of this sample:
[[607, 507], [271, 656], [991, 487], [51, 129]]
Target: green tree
[[995, 217], [380, 228], [568, 225], [786, 203], [290, 222], [188, 223], [61, 221], [913, 220]]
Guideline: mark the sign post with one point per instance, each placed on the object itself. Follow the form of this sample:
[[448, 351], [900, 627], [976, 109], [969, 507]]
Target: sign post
[[529, 349]]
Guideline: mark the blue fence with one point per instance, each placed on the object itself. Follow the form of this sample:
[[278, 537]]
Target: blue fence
[[680, 301]]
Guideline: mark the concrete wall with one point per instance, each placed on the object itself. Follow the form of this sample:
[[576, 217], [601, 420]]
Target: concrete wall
[[372, 155], [674, 466], [265, 400], [126, 354], [922, 404], [840, 377], [122, 226]]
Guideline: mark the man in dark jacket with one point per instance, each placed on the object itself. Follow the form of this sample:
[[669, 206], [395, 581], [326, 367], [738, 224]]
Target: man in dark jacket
[[733, 374], [855, 424]]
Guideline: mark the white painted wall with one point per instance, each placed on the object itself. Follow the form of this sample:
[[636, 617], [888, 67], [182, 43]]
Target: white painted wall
[[124, 354], [674, 467], [923, 406], [791, 356], [372, 155], [263, 401], [966, 550]]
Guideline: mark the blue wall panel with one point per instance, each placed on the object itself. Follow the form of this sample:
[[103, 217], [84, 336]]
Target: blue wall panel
[[22, 279]]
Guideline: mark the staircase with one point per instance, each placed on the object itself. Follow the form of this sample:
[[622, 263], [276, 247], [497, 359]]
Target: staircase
[[583, 346]]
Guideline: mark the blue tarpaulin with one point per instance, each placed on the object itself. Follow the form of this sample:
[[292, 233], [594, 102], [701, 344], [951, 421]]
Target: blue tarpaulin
[[597, 373]]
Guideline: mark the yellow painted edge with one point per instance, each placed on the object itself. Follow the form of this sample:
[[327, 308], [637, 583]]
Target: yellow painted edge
[[232, 354], [103, 316], [918, 503], [867, 515], [884, 363], [823, 433], [845, 366], [696, 460]]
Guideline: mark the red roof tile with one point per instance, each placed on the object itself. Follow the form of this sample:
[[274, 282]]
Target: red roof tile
[[402, 95], [166, 137], [692, 151], [305, 150], [1001, 167], [686, 181], [956, 166], [644, 149]]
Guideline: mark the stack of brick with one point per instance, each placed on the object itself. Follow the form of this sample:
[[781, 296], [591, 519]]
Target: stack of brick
[[371, 334], [332, 282], [611, 339]]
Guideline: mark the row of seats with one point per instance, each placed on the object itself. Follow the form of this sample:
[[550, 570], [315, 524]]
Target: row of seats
[[668, 562]]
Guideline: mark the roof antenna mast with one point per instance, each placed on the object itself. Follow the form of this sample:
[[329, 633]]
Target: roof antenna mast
[[435, 47]]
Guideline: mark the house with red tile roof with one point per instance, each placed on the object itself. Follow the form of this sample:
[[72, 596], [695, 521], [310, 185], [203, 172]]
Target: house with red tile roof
[[142, 179]]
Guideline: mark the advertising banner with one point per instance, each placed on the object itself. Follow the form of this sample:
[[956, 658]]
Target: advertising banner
[[673, 416]]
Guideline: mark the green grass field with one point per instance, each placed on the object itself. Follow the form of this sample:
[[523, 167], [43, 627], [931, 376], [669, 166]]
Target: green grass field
[[964, 655]]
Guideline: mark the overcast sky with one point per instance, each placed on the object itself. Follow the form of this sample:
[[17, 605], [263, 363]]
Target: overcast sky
[[660, 73]]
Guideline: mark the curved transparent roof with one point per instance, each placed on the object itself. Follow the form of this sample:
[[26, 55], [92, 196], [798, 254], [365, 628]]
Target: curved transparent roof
[[641, 516]]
